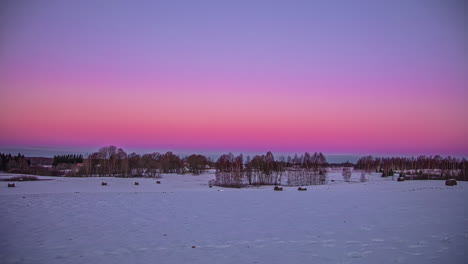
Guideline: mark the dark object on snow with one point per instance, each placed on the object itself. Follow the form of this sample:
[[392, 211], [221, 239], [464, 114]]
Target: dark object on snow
[[11, 185], [451, 182], [333, 180], [136, 183], [158, 182], [211, 186], [401, 178], [104, 183], [302, 189], [277, 188], [193, 246]]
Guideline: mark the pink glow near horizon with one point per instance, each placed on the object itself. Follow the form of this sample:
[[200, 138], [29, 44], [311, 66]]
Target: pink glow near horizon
[[233, 90]]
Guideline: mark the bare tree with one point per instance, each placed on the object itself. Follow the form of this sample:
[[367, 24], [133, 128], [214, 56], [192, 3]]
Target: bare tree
[[347, 173], [152, 164], [196, 163], [363, 177]]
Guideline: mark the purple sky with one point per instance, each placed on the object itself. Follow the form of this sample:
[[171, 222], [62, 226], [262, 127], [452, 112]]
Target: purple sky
[[332, 76]]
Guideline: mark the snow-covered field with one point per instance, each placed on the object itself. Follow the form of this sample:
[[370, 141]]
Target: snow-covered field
[[76, 220]]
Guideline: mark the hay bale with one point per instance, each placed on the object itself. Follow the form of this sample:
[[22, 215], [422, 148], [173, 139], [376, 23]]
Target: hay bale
[[451, 182], [302, 189], [158, 182], [11, 185], [103, 183], [277, 188], [401, 178], [136, 183]]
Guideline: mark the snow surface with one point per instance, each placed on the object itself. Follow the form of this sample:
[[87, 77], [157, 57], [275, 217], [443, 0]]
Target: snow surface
[[76, 220]]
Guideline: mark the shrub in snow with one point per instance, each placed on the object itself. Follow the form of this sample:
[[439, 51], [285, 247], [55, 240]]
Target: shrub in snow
[[302, 189], [277, 188], [136, 183], [158, 182], [347, 173], [451, 182], [10, 185], [363, 177], [104, 183]]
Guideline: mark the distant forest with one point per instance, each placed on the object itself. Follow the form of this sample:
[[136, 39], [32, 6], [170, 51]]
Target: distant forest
[[231, 170], [421, 167], [7, 161], [67, 159]]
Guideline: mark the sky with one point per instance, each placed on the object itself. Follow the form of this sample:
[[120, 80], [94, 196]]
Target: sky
[[341, 77]]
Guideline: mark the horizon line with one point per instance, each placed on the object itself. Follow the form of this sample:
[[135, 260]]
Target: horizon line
[[143, 150]]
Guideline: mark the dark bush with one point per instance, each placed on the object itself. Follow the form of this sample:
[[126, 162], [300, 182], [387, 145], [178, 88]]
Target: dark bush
[[451, 182], [136, 183], [302, 189], [277, 188], [104, 183], [10, 185]]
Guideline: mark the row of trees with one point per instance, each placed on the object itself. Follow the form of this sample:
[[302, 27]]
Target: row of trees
[[67, 159], [347, 172], [8, 162], [448, 167], [20, 164], [113, 161], [232, 171], [306, 169]]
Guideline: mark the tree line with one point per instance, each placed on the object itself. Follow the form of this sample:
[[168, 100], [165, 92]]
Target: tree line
[[113, 161], [232, 171], [8, 162], [109, 161], [421, 166], [20, 164], [67, 159]]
